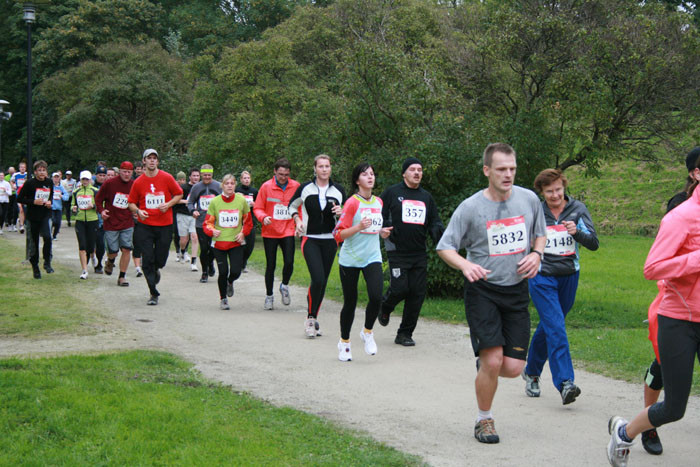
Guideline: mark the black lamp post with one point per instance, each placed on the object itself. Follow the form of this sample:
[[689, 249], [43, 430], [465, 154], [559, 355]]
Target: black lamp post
[[29, 18], [3, 116]]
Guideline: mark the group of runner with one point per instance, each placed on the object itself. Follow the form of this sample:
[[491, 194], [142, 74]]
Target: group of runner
[[517, 246]]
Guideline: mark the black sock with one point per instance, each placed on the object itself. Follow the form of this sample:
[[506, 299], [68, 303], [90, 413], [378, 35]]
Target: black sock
[[122, 275]]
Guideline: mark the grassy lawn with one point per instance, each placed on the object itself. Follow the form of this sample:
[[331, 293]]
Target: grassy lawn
[[141, 408], [606, 327], [54, 304]]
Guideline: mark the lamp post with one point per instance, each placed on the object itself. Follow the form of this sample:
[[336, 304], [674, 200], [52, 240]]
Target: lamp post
[[29, 18], [3, 116]]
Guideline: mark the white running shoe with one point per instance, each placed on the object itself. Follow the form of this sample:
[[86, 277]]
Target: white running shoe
[[618, 450], [269, 302], [84, 274], [186, 258], [370, 345], [193, 267], [139, 271], [318, 329], [344, 352], [224, 304], [310, 328], [284, 290], [178, 258]]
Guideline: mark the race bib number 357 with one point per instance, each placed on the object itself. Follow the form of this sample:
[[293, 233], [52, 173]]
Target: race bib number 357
[[506, 236], [413, 212]]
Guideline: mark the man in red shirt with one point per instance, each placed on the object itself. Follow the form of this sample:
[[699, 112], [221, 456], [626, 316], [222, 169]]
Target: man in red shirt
[[113, 203], [152, 197], [278, 227]]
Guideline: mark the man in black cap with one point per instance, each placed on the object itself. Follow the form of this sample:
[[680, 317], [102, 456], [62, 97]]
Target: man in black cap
[[413, 214]]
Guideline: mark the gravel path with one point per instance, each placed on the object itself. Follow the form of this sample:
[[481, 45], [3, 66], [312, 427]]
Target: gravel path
[[419, 400]]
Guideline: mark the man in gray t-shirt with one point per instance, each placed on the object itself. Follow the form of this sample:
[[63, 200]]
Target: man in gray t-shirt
[[504, 232]]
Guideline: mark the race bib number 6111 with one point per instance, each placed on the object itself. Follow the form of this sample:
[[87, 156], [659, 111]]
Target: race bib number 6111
[[506, 236]]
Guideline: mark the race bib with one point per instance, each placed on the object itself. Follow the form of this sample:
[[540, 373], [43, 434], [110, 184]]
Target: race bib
[[56, 194], [249, 200], [228, 218], [2, 190], [42, 194], [153, 200], [281, 213], [376, 215], [84, 202], [19, 182], [120, 201], [413, 212], [506, 236], [204, 201], [559, 242]]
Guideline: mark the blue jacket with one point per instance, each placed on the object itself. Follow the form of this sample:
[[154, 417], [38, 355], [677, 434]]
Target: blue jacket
[[57, 204]]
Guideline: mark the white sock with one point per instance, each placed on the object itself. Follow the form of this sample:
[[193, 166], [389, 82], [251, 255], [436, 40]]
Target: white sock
[[484, 415]]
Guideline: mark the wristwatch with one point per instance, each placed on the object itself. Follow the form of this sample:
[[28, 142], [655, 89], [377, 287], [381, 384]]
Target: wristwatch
[[539, 253]]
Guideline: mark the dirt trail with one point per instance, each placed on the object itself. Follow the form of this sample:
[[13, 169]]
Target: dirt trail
[[419, 400]]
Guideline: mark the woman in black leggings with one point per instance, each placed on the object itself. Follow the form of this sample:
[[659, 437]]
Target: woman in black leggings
[[675, 258], [321, 202]]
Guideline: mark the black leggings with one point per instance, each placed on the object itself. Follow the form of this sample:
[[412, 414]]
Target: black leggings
[[319, 255], [40, 228], [3, 214], [86, 232], [248, 247], [679, 345], [287, 246], [375, 283], [56, 217], [224, 258], [206, 251], [154, 242]]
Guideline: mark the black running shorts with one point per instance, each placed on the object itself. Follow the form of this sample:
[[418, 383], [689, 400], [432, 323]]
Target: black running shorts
[[498, 317]]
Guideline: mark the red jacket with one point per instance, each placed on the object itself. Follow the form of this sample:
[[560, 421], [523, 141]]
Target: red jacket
[[273, 201], [675, 258]]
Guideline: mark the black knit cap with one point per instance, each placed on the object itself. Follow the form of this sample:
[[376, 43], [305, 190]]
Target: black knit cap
[[691, 159], [412, 160]]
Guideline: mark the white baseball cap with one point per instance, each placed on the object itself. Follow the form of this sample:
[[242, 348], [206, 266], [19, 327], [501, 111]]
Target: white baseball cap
[[148, 152], [85, 174], [55, 174]]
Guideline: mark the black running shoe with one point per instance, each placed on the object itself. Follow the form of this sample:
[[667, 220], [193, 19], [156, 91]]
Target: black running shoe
[[36, 271], [652, 442], [569, 392], [98, 270], [212, 271], [403, 339], [48, 269], [204, 278], [153, 300], [384, 317], [229, 289]]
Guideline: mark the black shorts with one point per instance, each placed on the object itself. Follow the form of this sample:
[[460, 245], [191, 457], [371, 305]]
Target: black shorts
[[498, 317]]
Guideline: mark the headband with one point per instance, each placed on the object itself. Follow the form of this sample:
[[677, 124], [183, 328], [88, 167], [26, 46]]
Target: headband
[[207, 171]]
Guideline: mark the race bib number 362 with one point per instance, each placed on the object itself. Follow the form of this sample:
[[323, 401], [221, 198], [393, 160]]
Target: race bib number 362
[[559, 242], [506, 236], [375, 214]]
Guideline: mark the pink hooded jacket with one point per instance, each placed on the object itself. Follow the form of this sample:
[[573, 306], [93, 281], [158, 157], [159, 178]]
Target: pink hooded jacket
[[675, 258]]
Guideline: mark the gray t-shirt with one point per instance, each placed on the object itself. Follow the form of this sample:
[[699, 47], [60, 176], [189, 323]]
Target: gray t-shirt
[[497, 235]]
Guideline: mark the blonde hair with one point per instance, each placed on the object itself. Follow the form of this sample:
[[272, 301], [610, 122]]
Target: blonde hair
[[228, 177], [322, 156]]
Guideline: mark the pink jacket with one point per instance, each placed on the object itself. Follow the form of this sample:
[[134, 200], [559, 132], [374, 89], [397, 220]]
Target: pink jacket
[[675, 258]]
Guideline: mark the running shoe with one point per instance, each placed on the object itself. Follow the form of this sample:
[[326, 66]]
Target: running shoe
[[109, 267], [344, 352], [269, 302], [370, 345], [569, 392], [310, 328], [485, 431], [532, 385], [224, 304], [153, 300], [139, 272], [98, 269], [122, 282], [204, 278], [2, 233], [48, 268], [21, 229], [384, 317], [403, 339], [229, 289], [36, 271], [618, 450], [212, 271], [652, 442], [186, 258], [284, 290], [178, 257], [93, 261], [84, 274], [318, 328], [193, 267], [245, 270]]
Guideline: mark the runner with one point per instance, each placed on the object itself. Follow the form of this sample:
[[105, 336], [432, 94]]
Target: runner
[[18, 179], [553, 289], [99, 179], [181, 180], [321, 201], [138, 169], [413, 213], [68, 184], [497, 226], [228, 221], [5, 192], [674, 258], [359, 228], [59, 196], [271, 209], [250, 193], [12, 210], [186, 224], [152, 197], [83, 206], [37, 194], [653, 379], [112, 204], [200, 197], [112, 172]]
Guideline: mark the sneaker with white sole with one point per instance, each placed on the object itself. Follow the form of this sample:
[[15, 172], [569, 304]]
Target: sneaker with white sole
[[186, 258], [84, 275], [284, 290], [485, 431], [618, 450], [370, 345], [193, 267], [532, 384], [178, 257], [318, 328], [310, 328], [269, 302], [224, 304], [344, 352]]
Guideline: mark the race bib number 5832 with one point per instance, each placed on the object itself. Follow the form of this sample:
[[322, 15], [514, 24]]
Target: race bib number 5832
[[506, 236]]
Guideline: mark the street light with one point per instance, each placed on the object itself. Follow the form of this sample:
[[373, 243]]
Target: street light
[[3, 116]]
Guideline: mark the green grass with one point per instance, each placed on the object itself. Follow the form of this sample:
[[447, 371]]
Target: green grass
[[145, 407], [58, 303]]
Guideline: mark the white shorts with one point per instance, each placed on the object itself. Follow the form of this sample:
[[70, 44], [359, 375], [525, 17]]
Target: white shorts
[[185, 225]]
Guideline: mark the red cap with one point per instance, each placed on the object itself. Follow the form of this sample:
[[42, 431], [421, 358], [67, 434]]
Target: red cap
[[126, 165]]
